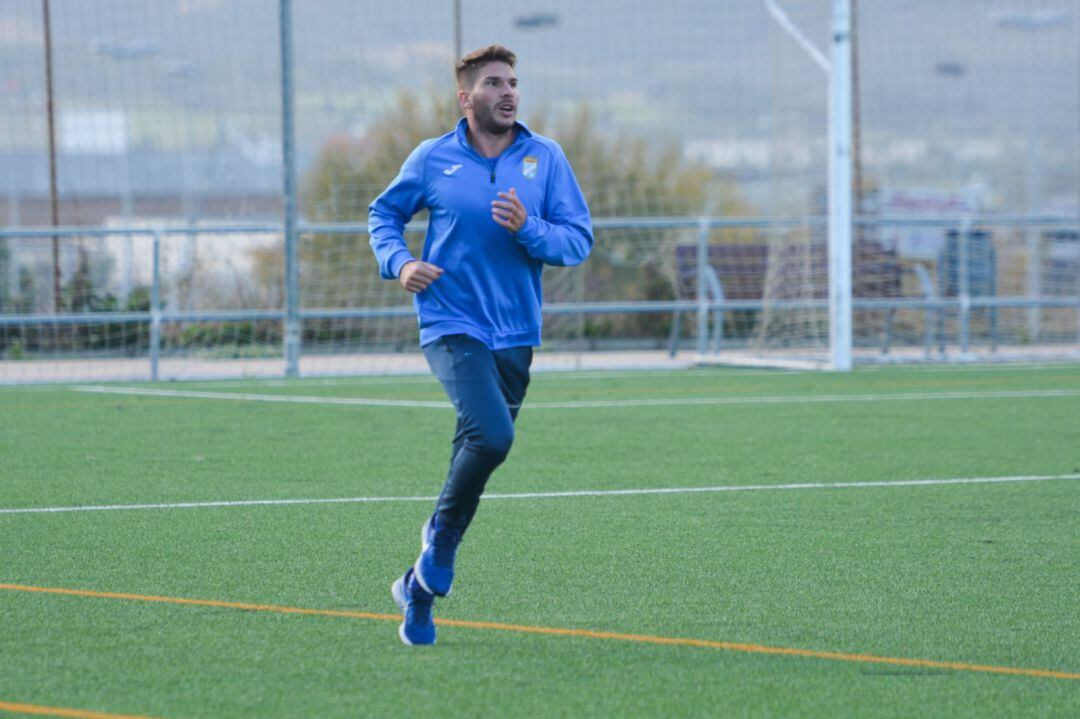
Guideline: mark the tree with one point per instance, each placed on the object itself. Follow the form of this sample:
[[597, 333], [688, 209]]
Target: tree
[[620, 175]]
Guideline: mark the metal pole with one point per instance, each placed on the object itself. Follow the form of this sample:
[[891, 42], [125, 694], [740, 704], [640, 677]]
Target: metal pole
[[155, 309], [702, 295], [856, 118], [288, 142], [963, 284], [1031, 233], [457, 31], [579, 330], [840, 215], [54, 199]]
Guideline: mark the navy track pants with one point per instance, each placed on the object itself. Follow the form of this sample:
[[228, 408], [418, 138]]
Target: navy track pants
[[487, 388]]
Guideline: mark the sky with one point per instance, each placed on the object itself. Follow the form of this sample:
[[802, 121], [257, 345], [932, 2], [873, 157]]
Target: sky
[[994, 77]]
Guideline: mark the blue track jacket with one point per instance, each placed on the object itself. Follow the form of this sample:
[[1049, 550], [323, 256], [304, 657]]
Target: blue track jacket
[[490, 288]]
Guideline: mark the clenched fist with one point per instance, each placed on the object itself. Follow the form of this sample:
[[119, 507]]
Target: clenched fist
[[416, 276]]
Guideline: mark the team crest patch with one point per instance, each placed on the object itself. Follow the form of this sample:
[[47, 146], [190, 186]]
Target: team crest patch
[[528, 167]]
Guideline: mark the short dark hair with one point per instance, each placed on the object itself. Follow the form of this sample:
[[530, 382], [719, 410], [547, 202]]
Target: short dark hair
[[465, 70]]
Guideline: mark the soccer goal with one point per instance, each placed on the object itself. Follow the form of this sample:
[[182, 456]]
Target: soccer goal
[[888, 242]]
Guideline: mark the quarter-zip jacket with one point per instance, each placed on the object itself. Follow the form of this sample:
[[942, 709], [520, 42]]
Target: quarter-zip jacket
[[490, 288]]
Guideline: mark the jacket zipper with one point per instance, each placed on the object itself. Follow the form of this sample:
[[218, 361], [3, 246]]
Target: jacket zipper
[[483, 160], [476, 154], [492, 168]]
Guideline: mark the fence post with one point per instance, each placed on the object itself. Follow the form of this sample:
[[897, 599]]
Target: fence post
[[963, 284], [930, 296], [155, 309], [288, 148], [702, 291]]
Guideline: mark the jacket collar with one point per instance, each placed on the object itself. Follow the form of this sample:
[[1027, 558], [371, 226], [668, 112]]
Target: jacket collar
[[463, 136]]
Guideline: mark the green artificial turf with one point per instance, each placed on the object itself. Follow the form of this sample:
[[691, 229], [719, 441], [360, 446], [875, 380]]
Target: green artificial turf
[[985, 574]]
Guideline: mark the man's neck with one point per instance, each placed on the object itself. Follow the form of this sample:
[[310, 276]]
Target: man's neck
[[489, 145]]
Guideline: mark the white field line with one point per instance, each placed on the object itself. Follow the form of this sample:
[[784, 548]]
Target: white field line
[[317, 382], [587, 404], [575, 375], [552, 495], [543, 375], [1000, 367], [251, 397], [553, 376], [804, 399]]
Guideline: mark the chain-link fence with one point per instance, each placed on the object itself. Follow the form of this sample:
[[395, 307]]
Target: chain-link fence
[[697, 129]]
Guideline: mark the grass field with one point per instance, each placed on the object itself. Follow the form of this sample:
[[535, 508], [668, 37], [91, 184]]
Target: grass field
[[770, 594]]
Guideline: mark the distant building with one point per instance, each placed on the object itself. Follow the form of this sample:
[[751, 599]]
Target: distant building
[[218, 183]]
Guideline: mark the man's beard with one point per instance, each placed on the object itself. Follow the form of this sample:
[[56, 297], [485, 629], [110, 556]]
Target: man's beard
[[488, 123]]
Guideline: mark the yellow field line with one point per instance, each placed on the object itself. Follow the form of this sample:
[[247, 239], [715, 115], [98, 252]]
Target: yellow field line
[[199, 602], [556, 631], [35, 710]]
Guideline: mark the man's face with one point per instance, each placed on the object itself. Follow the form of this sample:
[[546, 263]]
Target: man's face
[[492, 99]]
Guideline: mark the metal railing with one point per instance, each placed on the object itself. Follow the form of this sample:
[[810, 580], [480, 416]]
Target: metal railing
[[702, 305]]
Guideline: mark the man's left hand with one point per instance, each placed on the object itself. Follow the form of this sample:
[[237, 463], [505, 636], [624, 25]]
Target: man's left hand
[[509, 212]]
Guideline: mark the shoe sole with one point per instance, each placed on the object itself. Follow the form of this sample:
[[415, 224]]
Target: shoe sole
[[405, 639], [397, 591]]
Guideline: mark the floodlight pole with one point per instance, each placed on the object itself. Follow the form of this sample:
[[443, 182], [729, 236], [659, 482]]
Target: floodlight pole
[[288, 147], [457, 31], [840, 205], [54, 195]]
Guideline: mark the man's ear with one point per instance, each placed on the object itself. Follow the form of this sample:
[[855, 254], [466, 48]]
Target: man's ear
[[463, 100]]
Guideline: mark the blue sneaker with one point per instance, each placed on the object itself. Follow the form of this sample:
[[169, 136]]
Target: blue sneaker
[[435, 566], [418, 627]]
